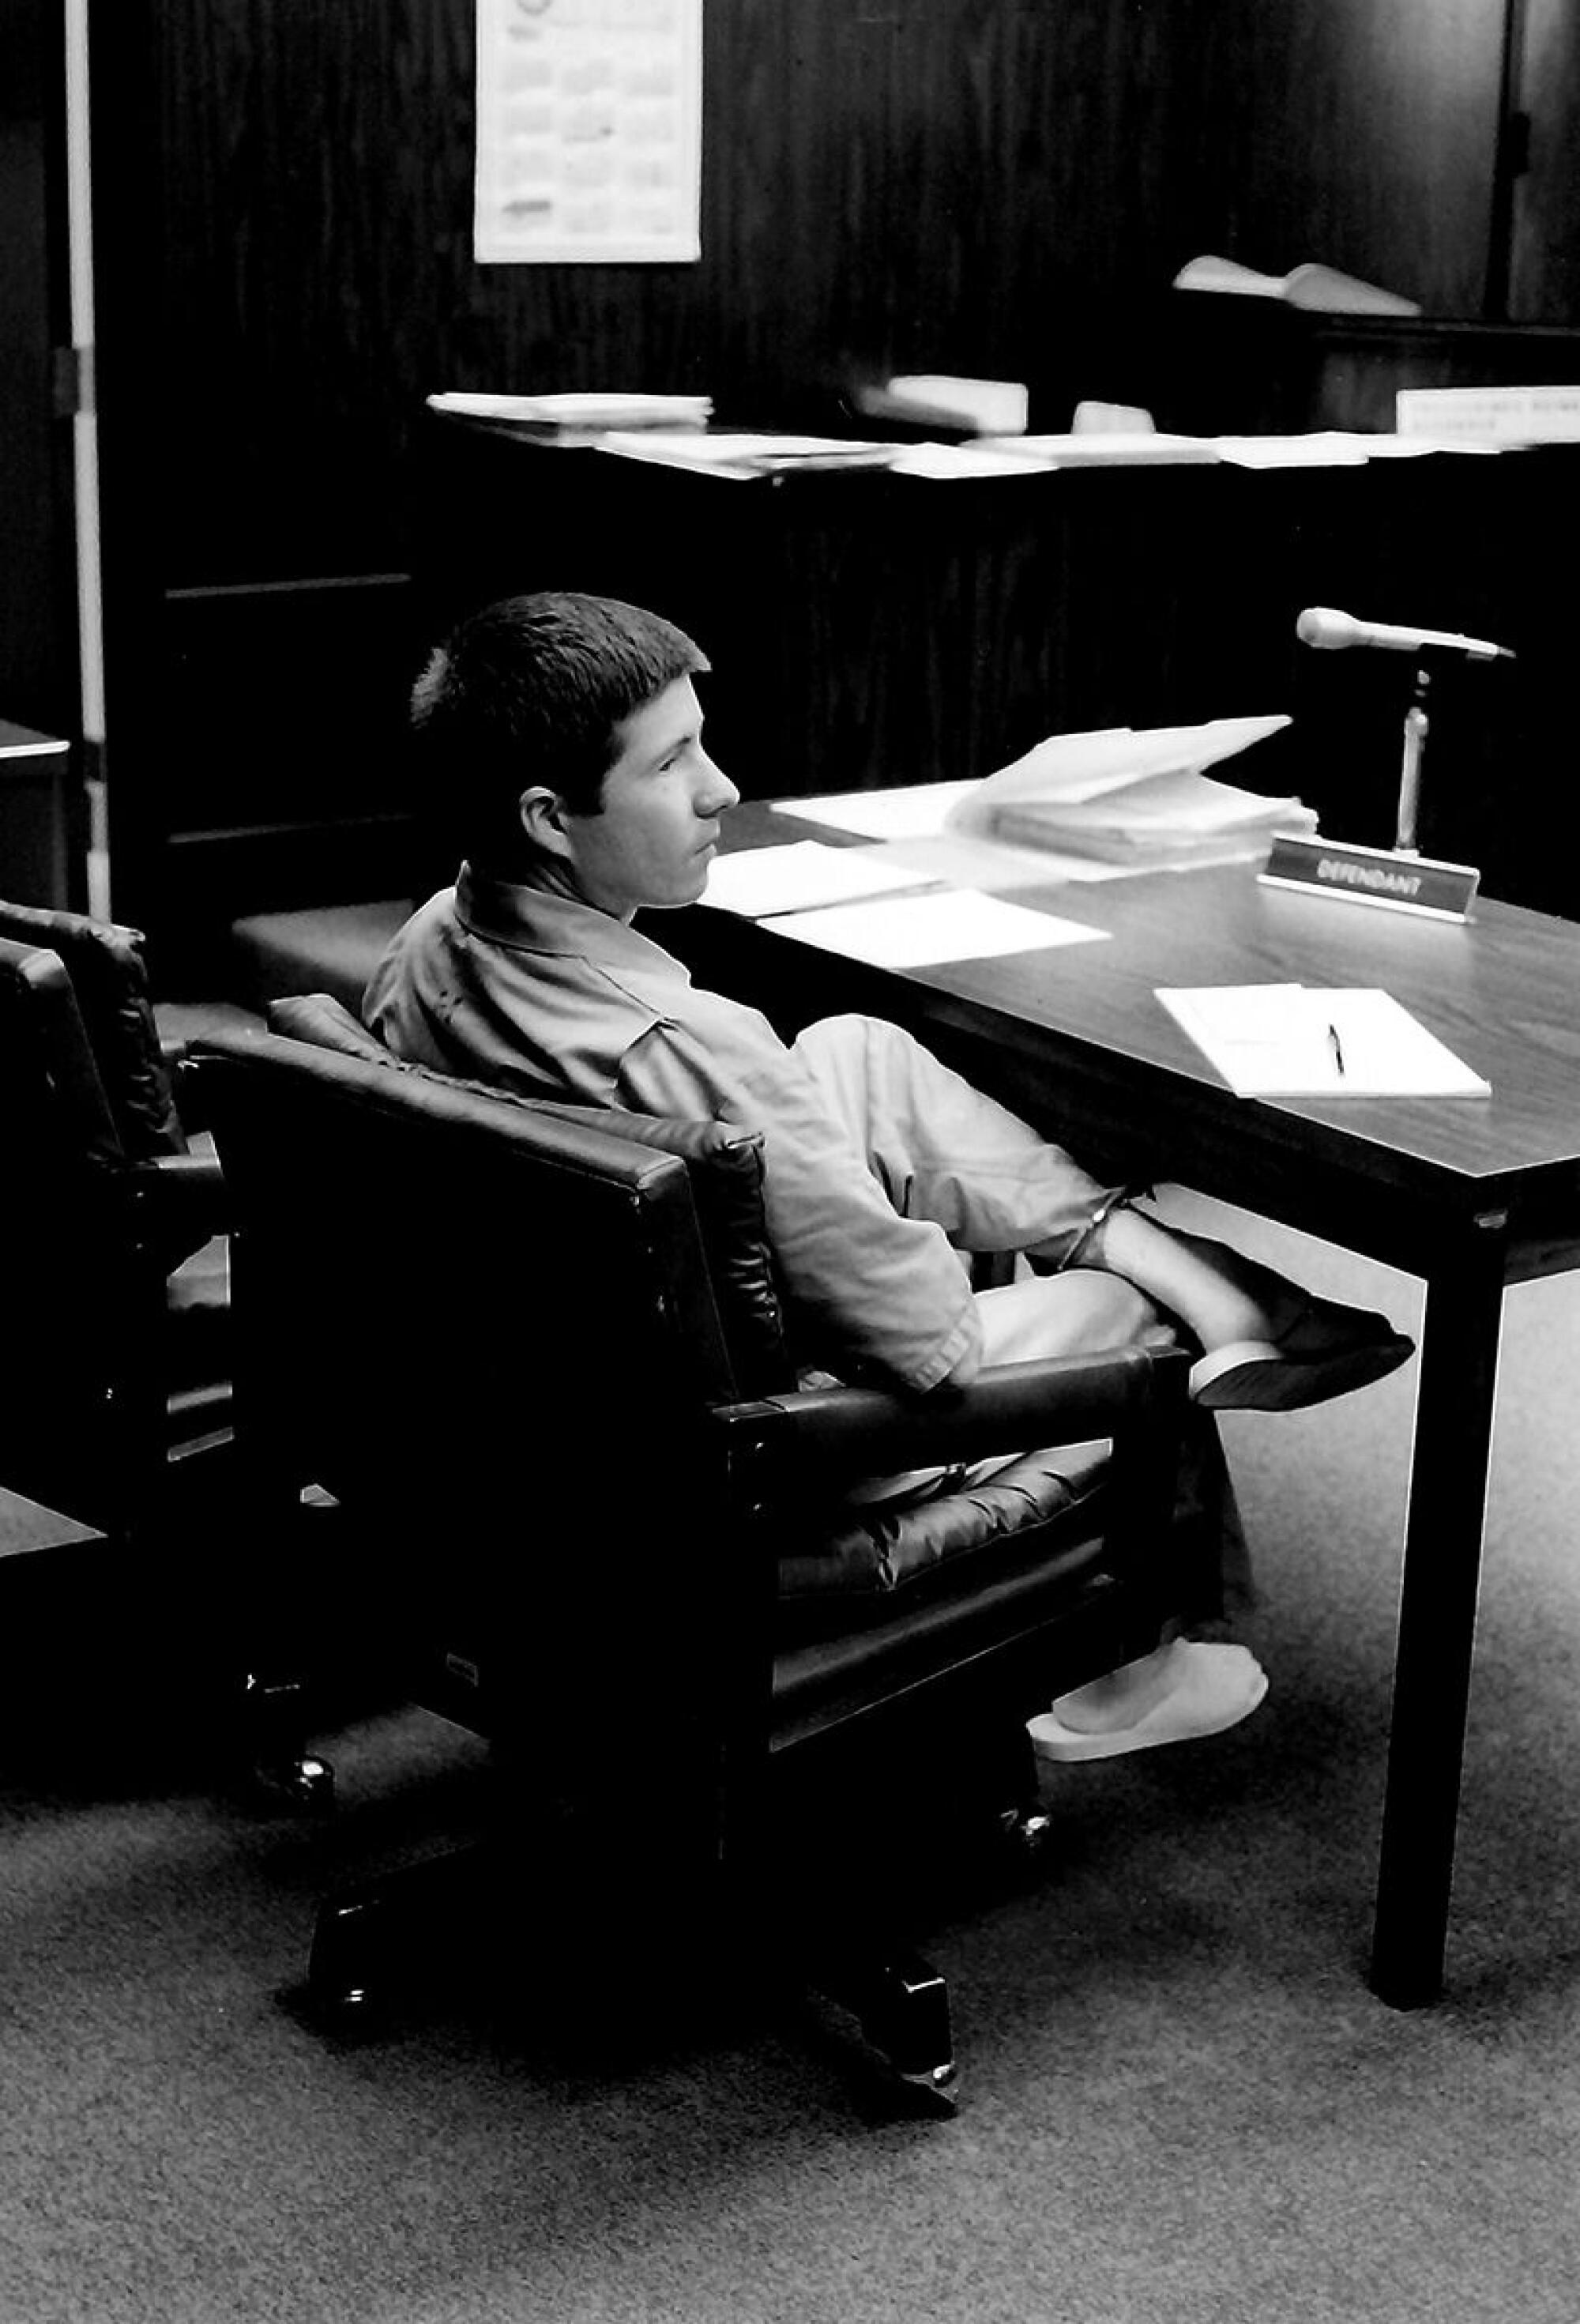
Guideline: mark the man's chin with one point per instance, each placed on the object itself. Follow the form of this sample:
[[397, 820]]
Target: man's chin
[[675, 903]]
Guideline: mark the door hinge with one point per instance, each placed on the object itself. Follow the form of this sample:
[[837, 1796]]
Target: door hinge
[[73, 382], [1516, 145]]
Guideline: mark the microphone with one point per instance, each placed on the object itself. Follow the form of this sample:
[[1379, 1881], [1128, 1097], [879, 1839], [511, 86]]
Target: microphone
[[1321, 625]]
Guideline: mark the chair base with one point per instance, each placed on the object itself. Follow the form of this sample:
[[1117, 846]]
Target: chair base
[[480, 1907], [368, 1945], [274, 1748]]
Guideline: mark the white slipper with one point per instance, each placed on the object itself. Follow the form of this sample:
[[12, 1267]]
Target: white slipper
[[1218, 1685]]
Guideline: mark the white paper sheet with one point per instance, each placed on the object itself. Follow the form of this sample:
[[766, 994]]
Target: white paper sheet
[[1326, 447], [801, 874], [1109, 447], [742, 454], [921, 930], [942, 462], [964, 861], [1295, 1040], [909, 811]]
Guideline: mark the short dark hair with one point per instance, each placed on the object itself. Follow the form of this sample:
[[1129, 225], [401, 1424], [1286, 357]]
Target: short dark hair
[[530, 690]]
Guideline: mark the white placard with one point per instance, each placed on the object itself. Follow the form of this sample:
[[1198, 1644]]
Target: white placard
[[589, 131]]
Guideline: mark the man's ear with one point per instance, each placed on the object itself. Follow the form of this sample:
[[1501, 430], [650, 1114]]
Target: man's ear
[[543, 819]]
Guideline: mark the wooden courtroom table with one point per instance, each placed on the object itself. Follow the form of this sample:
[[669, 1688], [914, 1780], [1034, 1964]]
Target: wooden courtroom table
[[1469, 1195]]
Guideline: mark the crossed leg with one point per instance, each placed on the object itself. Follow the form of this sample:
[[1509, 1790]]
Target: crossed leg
[[944, 1151]]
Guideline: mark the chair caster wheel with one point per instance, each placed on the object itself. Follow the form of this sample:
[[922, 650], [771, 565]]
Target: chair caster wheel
[[905, 2017], [312, 1783], [304, 1782], [347, 1980], [274, 1743], [1025, 1833], [934, 2091]]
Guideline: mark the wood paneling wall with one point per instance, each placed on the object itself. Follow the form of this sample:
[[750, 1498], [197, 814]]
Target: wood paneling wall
[[971, 185], [37, 618], [1544, 257], [1001, 187]]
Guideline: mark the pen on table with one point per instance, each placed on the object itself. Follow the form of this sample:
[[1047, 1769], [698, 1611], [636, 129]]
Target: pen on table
[[1336, 1045]]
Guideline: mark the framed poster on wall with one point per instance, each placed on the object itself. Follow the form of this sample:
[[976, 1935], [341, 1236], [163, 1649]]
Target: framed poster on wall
[[589, 131]]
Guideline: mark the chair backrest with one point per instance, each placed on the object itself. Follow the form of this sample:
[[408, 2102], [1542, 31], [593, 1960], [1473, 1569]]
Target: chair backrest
[[491, 1325], [489, 1333], [110, 979], [57, 1110], [727, 1186], [64, 1269]]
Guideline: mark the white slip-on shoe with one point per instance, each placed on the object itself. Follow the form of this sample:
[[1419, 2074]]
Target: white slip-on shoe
[[1218, 1685]]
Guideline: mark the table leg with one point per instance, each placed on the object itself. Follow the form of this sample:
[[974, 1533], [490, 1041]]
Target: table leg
[[1436, 1618]]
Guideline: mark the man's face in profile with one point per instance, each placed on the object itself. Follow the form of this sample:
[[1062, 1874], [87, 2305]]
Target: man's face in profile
[[651, 843]]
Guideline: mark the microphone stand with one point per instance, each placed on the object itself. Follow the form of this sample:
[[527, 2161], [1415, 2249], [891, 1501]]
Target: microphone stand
[[1402, 877], [1416, 726]]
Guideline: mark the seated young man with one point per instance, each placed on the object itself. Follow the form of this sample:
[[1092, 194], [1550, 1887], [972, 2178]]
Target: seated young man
[[565, 736]]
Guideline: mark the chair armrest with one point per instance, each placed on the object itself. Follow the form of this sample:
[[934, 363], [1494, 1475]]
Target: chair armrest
[[178, 1203], [828, 1437]]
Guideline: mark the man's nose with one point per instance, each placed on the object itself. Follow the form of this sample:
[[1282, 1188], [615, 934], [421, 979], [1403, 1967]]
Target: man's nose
[[718, 793]]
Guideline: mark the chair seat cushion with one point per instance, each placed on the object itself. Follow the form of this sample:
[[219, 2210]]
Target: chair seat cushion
[[888, 1553], [1027, 1551]]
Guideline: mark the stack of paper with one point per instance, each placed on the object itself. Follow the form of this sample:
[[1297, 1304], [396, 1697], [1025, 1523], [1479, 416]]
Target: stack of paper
[[578, 414], [1138, 798]]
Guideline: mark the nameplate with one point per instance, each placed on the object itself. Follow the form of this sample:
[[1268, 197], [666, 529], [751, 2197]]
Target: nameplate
[[1373, 875]]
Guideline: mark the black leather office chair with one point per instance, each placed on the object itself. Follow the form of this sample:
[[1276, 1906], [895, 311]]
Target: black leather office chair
[[114, 1348], [535, 1352]]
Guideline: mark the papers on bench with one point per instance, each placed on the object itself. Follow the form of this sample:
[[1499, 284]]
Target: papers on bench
[[1297, 1040], [576, 414], [1138, 798]]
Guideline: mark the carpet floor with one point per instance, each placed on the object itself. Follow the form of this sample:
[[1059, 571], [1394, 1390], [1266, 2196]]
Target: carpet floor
[[1180, 2102]]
